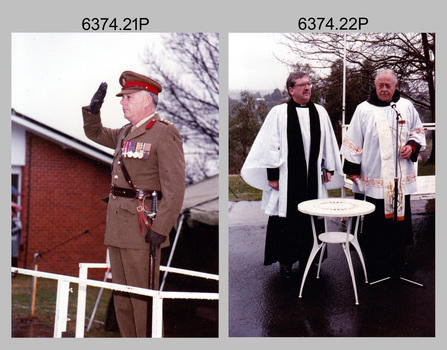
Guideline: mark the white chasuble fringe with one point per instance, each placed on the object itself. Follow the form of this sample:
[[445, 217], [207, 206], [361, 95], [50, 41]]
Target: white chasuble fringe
[[386, 133]]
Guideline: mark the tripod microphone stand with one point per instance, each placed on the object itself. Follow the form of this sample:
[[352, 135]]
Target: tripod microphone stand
[[397, 246]]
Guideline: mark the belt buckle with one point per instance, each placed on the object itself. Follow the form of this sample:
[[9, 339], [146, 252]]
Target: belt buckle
[[140, 193], [112, 191]]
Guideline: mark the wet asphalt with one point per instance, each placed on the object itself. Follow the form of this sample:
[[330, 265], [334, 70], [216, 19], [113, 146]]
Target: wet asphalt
[[261, 304]]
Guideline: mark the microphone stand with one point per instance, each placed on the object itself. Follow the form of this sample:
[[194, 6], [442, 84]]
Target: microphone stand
[[396, 193]]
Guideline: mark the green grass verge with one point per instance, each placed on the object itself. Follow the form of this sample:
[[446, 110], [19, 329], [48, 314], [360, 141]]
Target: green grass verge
[[45, 304], [239, 190]]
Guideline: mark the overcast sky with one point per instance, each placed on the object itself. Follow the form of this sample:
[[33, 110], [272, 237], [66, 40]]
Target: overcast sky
[[54, 75], [252, 64]]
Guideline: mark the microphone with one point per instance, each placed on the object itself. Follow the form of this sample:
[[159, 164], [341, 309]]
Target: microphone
[[393, 106]]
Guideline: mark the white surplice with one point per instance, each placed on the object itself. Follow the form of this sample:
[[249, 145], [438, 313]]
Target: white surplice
[[361, 146], [270, 150]]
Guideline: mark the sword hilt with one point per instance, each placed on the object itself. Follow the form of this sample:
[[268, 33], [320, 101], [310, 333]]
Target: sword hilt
[[154, 203]]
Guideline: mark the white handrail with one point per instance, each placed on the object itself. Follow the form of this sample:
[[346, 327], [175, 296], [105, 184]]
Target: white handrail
[[63, 291], [156, 304]]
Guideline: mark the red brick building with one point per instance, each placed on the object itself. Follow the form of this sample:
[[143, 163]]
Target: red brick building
[[61, 181]]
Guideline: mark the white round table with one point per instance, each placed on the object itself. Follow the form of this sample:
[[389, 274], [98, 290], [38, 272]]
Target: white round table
[[335, 207]]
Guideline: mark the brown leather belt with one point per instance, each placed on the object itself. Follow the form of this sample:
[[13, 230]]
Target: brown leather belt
[[130, 193], [137, 193]]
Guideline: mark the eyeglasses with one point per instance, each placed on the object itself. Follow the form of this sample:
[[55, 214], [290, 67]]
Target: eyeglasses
[[303, 85]]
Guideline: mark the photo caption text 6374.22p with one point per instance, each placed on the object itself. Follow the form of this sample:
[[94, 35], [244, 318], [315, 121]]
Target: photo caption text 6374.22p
[[323, 23]]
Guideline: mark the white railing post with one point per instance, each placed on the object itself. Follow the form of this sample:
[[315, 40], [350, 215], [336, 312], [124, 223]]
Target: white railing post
[[60, 322], [157, 316], [63, 290], [82, 298]]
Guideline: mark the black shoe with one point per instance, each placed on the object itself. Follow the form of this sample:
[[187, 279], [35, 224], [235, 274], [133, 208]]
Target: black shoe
[[286, 272]]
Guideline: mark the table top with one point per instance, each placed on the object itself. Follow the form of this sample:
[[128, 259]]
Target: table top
[[336, 207]]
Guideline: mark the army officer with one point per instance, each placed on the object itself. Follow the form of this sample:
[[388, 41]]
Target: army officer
[[148, 163]]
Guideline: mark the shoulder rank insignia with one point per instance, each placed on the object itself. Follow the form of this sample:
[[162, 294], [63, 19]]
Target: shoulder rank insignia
[[167, 122]]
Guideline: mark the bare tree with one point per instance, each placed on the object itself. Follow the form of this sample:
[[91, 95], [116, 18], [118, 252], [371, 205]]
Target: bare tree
[[411, 55], [188, 66]]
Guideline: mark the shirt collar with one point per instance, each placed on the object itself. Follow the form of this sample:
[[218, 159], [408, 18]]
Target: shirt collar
[[142, 121]]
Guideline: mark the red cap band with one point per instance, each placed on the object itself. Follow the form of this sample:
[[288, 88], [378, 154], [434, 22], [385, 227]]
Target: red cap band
[[141, 85]]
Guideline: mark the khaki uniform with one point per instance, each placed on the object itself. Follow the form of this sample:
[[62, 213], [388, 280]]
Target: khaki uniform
[[160, 167]]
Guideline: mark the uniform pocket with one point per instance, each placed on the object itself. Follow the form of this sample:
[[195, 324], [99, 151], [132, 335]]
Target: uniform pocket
[[130, 206]]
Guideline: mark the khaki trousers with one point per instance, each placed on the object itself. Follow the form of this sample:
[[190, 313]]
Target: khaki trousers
[[133, 311]]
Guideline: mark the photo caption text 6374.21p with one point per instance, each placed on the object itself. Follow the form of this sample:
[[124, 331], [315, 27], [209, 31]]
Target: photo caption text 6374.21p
[[112, 24]]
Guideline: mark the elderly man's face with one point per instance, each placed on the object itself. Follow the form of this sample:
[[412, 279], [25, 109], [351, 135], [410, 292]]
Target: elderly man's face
[[385, 86], [135, 106], [301, 90]]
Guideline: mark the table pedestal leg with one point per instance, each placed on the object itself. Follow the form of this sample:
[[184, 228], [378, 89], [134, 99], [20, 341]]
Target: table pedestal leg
[[351, 270], [315, 248]]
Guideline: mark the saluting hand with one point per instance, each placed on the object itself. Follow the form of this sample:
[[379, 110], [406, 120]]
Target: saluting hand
[[155, 240], [98, 99]]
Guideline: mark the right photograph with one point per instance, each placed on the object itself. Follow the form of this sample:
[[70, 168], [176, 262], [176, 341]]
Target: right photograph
[[331, 184]]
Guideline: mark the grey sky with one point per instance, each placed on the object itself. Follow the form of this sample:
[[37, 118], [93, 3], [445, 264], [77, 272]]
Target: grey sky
[[252, 64], [54, 74]]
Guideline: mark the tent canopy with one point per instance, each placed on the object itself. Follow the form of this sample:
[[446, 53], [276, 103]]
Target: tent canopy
[[202, 201]]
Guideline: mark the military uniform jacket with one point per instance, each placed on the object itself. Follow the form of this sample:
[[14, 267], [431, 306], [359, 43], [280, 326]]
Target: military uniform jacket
[[162, 168]]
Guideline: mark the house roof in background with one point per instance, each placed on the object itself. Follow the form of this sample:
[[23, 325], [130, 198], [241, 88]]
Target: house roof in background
[[61, 138]]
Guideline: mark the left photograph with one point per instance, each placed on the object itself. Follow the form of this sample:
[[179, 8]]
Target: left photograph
[[114, 185]]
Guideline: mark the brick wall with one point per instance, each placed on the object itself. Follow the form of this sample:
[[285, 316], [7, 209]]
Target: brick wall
[[61, 199]]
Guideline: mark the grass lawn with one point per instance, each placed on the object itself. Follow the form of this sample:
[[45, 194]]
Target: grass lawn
[[45, 305], [426, 169], [240, 191]]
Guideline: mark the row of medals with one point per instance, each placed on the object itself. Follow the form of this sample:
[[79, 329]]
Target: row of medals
[[138, 150]]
